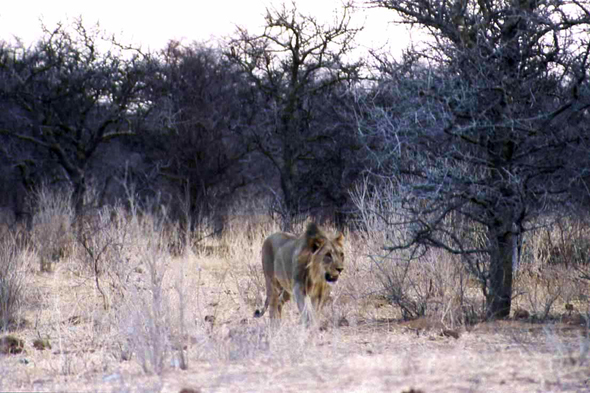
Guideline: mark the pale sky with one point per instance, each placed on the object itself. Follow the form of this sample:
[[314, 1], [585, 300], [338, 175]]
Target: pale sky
[[153, 24]]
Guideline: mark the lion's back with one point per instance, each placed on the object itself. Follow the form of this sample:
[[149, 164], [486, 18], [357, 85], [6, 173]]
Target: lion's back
[[277, 252], [278, 240]]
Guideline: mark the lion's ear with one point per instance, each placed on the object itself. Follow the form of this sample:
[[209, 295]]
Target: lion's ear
[[315, 243], [312, 230], [340, 239], [315, 237]]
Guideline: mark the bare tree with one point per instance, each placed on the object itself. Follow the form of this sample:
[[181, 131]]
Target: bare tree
[[483, 127], [67, 97], [194, 133], [291, 64]]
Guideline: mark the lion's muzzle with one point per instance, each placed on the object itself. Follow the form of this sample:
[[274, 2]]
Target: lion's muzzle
[[331, 278]]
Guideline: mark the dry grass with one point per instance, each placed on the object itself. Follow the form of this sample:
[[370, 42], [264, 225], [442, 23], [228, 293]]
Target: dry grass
[[120, 313]]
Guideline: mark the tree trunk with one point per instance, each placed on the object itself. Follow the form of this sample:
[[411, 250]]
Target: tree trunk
[[78, 194], [499, 297], [289, 206], [501, 228], [289, 174]]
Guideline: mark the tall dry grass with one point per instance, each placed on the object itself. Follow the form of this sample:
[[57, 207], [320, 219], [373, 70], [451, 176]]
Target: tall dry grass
[[15, 264], [551, 281], [52, 234], [123, 297]]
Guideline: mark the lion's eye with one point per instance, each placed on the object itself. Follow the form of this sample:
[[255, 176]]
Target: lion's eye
[[328, 258]]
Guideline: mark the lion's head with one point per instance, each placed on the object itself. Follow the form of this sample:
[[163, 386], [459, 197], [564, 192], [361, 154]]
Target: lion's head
[[327, 255]]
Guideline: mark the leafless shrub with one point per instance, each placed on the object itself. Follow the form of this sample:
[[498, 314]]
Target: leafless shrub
[[548, 276], [13, 279], [148, 333], [52, 225], [566, 242], [107, 240], [540, 289], [148, 320], [433, 283]]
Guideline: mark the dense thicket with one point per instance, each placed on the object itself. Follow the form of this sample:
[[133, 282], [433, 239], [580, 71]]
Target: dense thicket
[[63, 99], [476, 132]]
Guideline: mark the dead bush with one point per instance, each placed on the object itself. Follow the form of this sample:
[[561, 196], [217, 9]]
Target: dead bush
[[13, 279], [52, 232], [566, 243], [550, 274], [148, 322]]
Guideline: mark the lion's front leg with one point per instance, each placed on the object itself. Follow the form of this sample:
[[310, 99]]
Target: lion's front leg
[[305, 305], [317, 303], [275, 306]]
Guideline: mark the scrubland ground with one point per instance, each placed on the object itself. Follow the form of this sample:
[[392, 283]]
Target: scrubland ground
[[117, 303]]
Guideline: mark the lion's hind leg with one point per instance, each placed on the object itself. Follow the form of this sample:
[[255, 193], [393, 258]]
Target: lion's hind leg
[[284, 297], [269, 273], [276, 300], [272, 295]]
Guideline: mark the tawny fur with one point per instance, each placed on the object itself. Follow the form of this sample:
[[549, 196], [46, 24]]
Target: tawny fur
[[300, 266]]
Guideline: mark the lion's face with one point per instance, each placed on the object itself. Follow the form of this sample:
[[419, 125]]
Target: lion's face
[[330, 258]]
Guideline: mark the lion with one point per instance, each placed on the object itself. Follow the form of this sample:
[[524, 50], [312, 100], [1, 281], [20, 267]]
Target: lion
[[304, 266]]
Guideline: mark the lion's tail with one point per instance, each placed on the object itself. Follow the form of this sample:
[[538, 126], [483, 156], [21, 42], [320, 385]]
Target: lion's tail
[[260, 313]]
